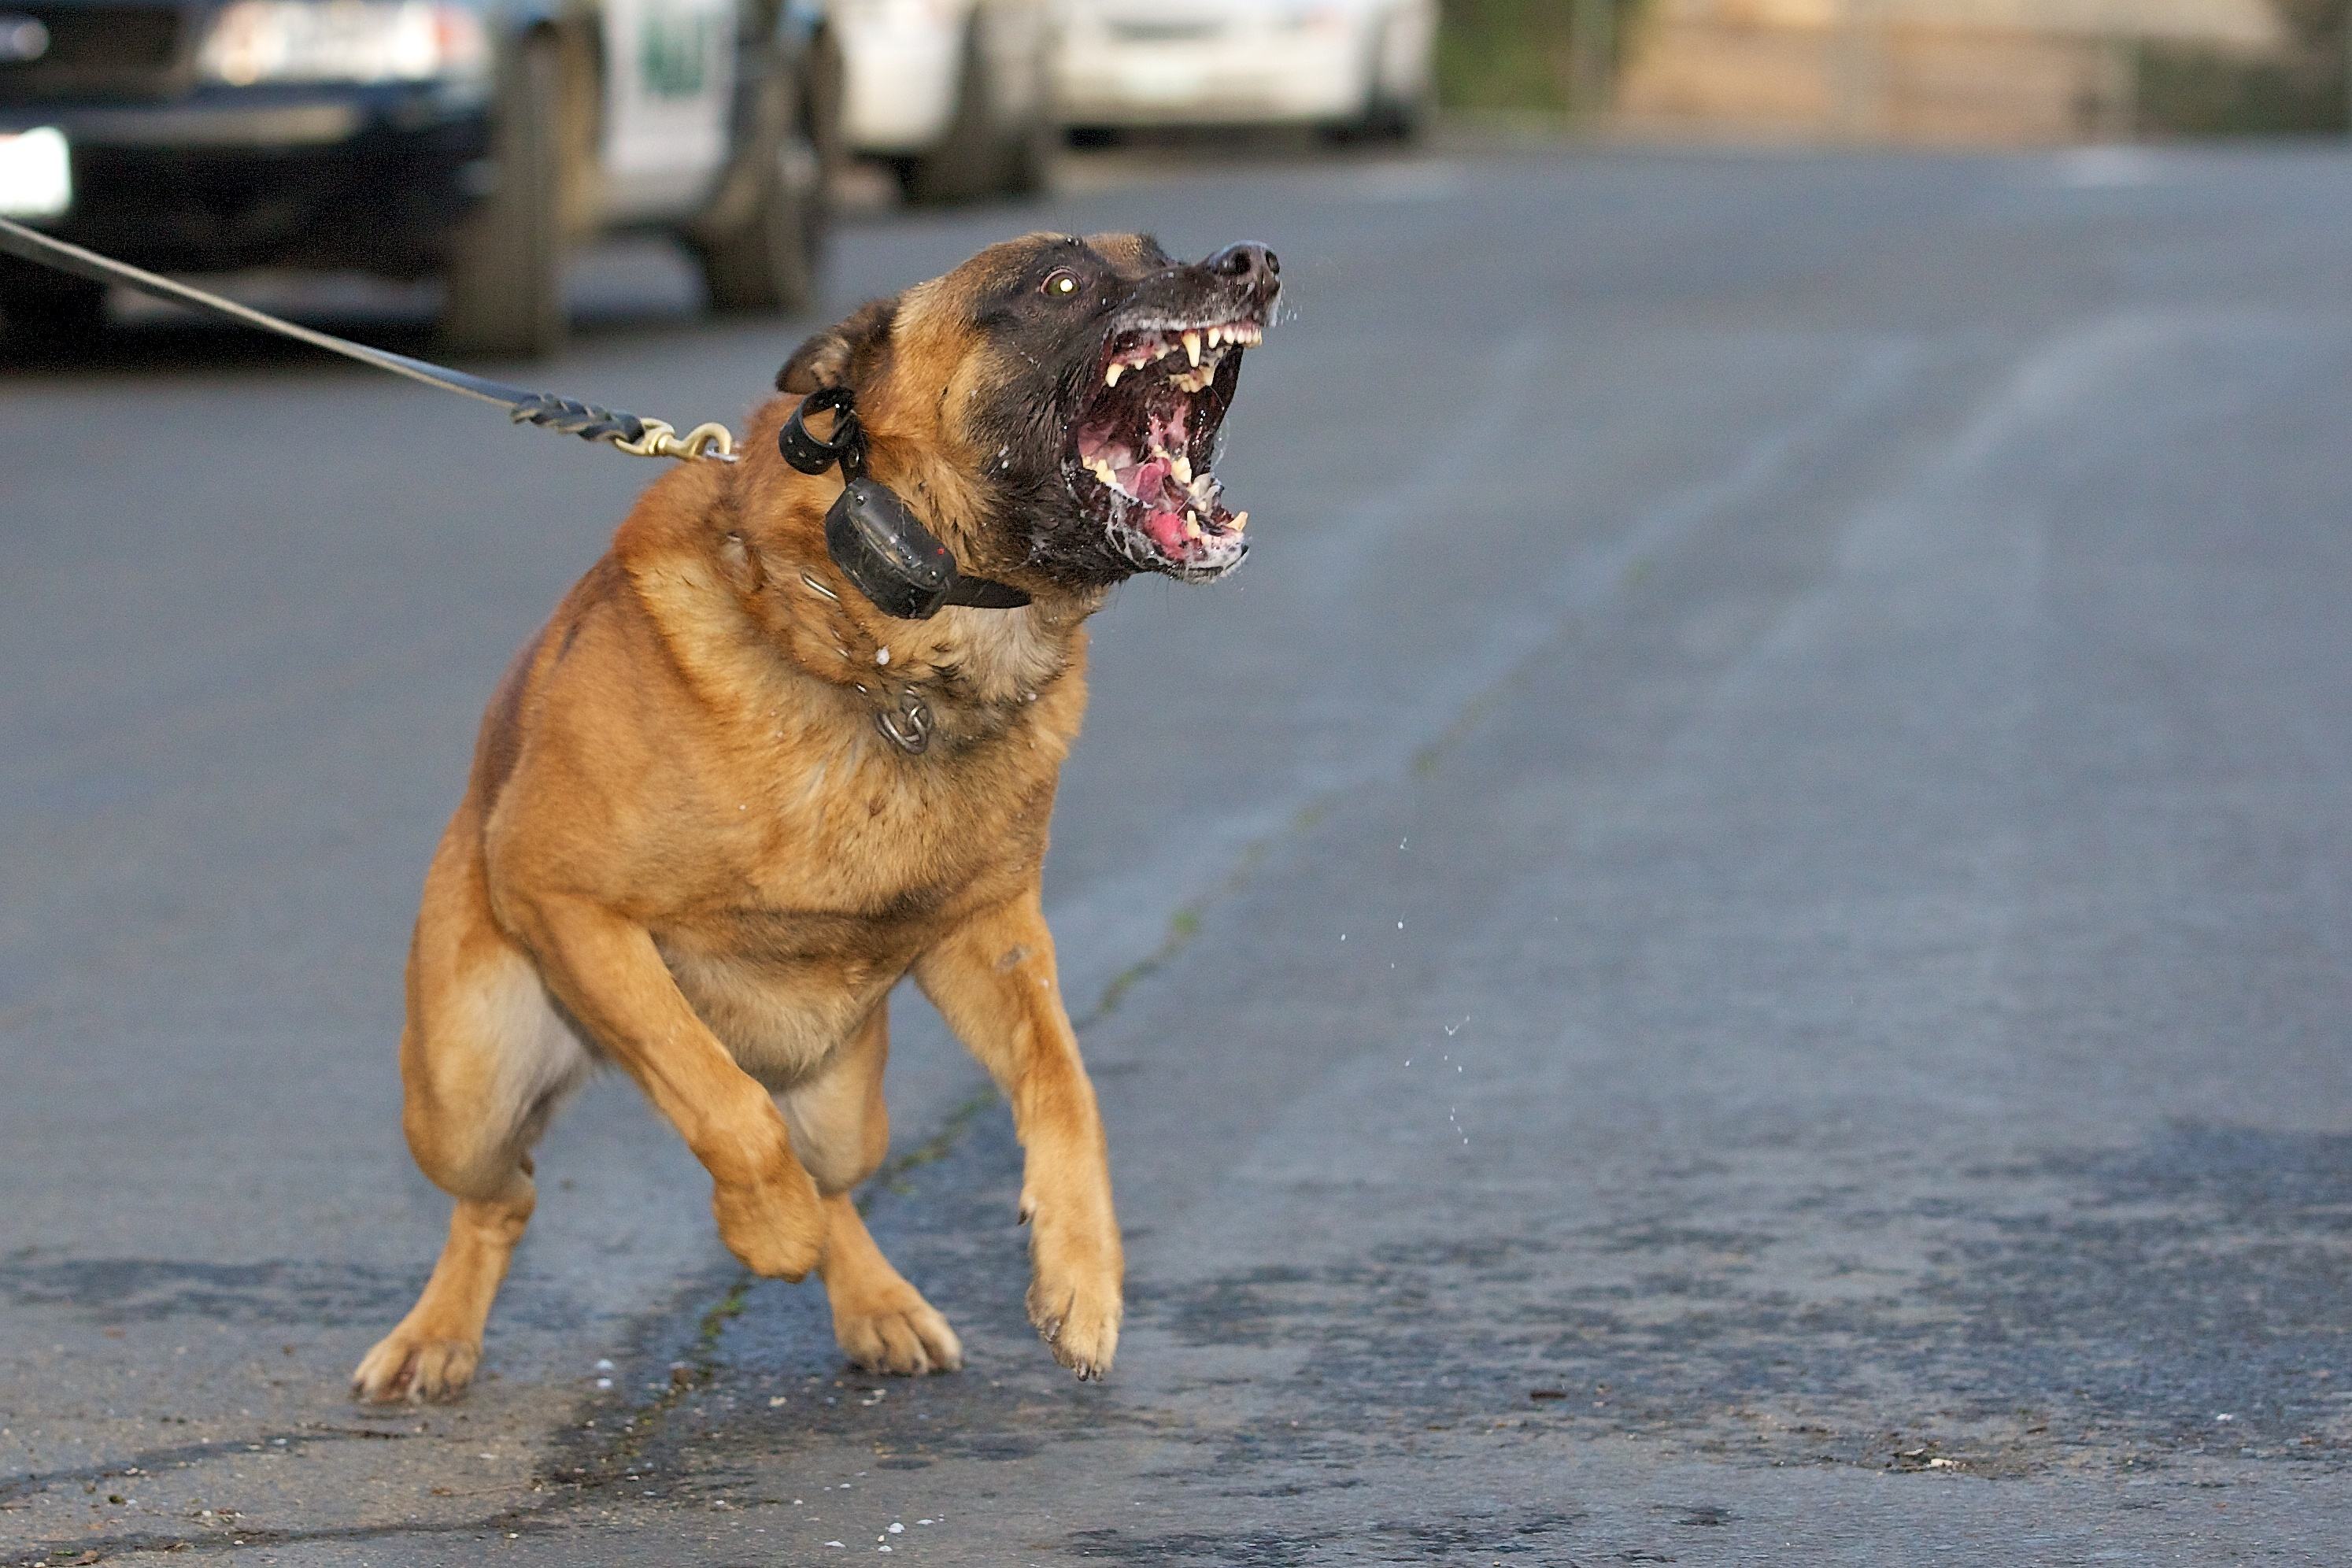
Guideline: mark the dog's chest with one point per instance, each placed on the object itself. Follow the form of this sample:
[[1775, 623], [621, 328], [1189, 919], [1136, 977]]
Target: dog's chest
[[781, 991], [833, 884]]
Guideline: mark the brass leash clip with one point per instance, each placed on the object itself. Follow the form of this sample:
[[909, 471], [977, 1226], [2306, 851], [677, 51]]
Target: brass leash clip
[[711, 442]]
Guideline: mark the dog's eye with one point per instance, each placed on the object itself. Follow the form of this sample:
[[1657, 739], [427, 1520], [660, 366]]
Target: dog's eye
[[1060, 283]]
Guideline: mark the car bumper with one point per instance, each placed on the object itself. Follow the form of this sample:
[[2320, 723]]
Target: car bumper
[[1239, 76], [899, 79], [228, 178]]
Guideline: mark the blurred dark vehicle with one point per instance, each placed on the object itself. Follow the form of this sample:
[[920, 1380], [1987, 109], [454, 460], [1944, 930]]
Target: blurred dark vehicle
[[475, 138], [954, 96], [1346, 66]]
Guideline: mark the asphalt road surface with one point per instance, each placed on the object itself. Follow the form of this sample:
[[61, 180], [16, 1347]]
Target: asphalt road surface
[[1732, 947]]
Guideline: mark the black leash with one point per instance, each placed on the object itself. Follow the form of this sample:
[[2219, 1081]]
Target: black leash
[[872, 535], [623, 432]]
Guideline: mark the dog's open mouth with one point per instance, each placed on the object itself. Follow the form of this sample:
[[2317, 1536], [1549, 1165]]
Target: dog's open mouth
[[1141, 447]]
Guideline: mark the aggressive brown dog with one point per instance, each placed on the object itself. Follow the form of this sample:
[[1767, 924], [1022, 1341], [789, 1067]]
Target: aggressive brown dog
[[722, 802]]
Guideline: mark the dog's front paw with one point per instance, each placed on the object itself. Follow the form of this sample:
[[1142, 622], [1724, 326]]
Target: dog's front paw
[[774, 1228], [901, 1333], [410, 1367], [1075, 1293]]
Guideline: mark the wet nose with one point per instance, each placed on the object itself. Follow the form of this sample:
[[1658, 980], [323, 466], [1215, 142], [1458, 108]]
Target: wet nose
[[1252, 266]]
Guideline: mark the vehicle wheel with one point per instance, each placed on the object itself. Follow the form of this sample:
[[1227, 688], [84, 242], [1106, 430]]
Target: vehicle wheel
[[1389, 114], [770, 260], [1032, 157], [980, 156], [823, 96], [48, 313], [1400, 114], [506, 270]]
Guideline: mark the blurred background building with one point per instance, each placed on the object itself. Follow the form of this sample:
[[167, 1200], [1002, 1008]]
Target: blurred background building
[[1951, 72], [1965, 72]]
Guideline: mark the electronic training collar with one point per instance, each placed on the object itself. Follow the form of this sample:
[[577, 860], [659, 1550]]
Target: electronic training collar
[[880, 546]]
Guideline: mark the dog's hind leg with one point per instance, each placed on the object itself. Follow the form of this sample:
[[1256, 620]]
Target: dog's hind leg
[[841, 1129], [484, 1060]]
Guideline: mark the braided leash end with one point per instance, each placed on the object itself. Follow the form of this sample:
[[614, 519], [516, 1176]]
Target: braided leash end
[[711, 442]]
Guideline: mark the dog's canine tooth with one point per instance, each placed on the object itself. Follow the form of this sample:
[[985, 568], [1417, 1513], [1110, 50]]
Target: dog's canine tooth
[[1240, 521], [1181, 467], [1191, 524], [1110, 376], [1192, 349]]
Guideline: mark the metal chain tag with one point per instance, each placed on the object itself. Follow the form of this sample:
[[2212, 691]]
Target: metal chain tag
[[909, 728]]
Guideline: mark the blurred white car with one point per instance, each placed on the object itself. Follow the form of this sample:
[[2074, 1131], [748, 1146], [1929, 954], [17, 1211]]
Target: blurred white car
[[956, 95], [1346, 65]]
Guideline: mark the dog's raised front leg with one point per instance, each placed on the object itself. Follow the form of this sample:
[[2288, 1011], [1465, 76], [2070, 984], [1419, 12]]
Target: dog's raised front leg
[[606, 969], [994, 981]]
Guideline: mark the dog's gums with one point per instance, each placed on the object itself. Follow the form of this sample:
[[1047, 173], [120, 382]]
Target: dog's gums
[[1141, 447]]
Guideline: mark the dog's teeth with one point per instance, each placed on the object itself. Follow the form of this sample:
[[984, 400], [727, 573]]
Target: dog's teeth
[[1110, 376], [1215, 336], [1181, 467], [1240, 521], [1192, 349], [1192, 525]]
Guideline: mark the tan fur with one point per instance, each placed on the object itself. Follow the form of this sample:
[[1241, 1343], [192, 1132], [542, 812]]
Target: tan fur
[[685, 849]]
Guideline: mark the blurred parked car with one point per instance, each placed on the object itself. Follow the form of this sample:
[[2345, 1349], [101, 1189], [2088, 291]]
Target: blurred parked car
[[1347, 67], [954, 96], [479, 139]]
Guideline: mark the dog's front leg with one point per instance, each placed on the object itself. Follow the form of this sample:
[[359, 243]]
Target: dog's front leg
[[993, 979], [606, 969]]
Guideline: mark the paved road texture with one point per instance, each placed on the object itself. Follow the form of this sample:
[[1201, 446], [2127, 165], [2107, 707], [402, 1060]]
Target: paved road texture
[[1731, 948]]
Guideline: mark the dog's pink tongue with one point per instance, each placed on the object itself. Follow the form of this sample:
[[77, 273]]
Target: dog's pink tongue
[[1151, 481], [1167, 531]]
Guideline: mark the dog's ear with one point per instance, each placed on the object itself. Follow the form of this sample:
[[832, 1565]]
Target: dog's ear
[[843, 355]]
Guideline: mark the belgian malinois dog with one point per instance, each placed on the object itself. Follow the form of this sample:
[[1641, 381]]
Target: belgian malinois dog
[[723, 802]]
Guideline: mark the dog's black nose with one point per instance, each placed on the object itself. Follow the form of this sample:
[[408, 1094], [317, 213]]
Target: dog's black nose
[[1251, 264]]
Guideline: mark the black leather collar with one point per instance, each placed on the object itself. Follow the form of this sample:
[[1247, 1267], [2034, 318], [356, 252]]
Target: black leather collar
[[883, 550]]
